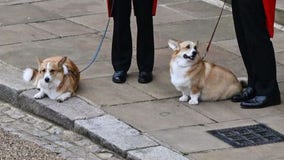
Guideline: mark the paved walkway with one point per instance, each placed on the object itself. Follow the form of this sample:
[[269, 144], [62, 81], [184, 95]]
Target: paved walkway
[[138, 121]]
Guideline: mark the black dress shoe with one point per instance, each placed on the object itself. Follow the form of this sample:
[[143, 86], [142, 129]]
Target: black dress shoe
[[145, 77], [246, 94], [119, 76], [261, 101]]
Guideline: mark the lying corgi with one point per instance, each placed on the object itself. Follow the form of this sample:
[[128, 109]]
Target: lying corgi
[[198, 79], [56, 77]]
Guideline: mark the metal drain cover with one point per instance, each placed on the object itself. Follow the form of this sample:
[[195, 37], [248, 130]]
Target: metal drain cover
[[248, 135]]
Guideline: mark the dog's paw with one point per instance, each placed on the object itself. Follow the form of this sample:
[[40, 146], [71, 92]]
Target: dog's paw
[[39, 95], [193, 101], [183, 98], [63, 97], [59, 100]]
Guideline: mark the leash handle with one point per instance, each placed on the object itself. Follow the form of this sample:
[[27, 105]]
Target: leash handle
[[214, 31]]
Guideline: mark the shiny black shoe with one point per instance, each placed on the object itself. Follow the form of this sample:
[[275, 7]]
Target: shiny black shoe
[[261, 102], [119, 76], [145, 77], [246, 94]]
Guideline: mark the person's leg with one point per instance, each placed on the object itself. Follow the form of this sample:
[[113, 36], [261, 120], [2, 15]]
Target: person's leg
[[238, 13], [122, 41], [261, 53], [121, 53], [239, 10], [145, 39]]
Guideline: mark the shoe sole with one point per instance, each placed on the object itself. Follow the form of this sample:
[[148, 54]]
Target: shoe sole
[[261, 106], [115, 81]]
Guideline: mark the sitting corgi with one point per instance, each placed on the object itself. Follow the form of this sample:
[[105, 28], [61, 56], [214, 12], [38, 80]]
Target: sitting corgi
[[56, 77], [198, 79]]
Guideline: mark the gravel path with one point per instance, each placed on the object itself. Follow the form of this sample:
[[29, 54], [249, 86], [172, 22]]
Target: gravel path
[[13, 147]]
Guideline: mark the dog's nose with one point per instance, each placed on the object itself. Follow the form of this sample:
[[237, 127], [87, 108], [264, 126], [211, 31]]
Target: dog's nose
[[194, 53], [186, 56], [46, 79]]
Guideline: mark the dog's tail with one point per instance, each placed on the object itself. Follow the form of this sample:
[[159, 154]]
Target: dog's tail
[[243, 81], [30, 74]]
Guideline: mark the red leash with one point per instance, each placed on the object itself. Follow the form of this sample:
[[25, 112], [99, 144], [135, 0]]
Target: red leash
[[215, 28]]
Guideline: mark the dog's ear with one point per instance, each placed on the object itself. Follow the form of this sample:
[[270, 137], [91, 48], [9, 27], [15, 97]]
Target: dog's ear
[[173, 44], [197, 44], [39, 61], [62, 61]]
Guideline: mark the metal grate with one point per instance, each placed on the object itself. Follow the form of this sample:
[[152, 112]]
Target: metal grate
[[248, 135]]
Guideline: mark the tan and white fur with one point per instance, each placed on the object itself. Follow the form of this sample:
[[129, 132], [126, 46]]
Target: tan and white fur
[[198, 79], [56, 77]]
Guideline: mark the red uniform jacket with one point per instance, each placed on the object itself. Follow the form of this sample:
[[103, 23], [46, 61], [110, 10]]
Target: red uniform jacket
[[155, 2], [269, 8]]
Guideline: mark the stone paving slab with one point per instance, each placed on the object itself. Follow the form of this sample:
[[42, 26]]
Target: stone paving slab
[[157, 88], [232, 45], [234, 63], [20, 33], [74, 7], [79, 49], [12, 77], [227, 111], [158, 115], [167, 2], [63, 28], [280, 57], [155, 153], [24, 13], [97, 22], [98, 90], [14, 2], [161, 77], [194, 139], [226, 59], [10, 83], [171, 15], [280, 5], [98, 70], [277, 41], [190, 30], [198, 9], [274, 122], [189, 139], [114, 133], [62, 113], [279, 15], [263, 152]]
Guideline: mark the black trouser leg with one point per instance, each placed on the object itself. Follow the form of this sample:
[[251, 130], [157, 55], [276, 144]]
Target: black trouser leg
[[241, 41], [145, 35], [122, 41], [255, 45]]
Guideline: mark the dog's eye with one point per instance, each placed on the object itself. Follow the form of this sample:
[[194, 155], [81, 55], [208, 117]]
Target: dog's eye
[[43, 70], [187, 47], [52, 71], [195, 47]]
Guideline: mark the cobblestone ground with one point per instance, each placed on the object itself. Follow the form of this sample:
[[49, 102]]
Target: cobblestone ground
[[13, 147], [37, 136]]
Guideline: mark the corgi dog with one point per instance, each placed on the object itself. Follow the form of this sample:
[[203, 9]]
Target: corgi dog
[[198, 79], [56, 77]]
